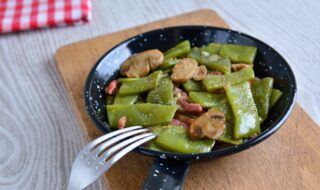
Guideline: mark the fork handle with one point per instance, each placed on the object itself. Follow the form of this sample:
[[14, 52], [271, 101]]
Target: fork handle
[[166, 174]]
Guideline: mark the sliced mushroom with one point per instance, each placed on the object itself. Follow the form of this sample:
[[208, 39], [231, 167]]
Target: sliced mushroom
[[140, 64], [184, 70], [200, 73], [239, 66], [210, 124], [155, 58]]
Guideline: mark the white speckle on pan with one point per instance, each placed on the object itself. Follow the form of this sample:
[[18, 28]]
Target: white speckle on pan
[[145, 40], [173, 172], [181, 37], [157, 171], [164, 180], [163, 156], [140, 35], [155, 175], [264, 53], [161, 164], [270, 67], [161, 35], [197, 158], [167, 168], [140, 44]]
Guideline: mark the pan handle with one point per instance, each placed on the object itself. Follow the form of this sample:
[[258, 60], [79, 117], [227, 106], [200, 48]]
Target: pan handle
[[166, 174]]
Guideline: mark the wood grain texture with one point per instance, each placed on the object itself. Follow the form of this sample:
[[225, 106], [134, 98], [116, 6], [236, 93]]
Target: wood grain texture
[[39, 133], [288, 160]]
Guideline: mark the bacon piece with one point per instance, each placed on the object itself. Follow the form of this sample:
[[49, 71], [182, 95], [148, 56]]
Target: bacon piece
[[189, 107], [182, 101], [112, 88], [179, 123], [183, 118], [180, 93], [122, 122]]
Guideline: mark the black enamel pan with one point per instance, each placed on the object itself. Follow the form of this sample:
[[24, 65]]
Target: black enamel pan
[[171, 168]]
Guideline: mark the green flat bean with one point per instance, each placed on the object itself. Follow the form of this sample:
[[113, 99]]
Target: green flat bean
[[129, 99], [206, 99], [215, 101], [274, 97], [228, 136], [162, 94], [175, 139], [168, 63], [213, 48], [121, 80], [244, 110], [152, 144], [225, 108], [194, 86], [140, 85], [211, 61], [213, 82], [179, 50], [261, 91], [109, 100], [239, 53], [140, 114]]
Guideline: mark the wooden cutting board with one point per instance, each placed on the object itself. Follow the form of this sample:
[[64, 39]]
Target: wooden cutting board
[[290, 159]]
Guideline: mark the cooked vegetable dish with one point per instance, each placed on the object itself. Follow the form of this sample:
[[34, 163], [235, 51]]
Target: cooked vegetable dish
[[192, 97]]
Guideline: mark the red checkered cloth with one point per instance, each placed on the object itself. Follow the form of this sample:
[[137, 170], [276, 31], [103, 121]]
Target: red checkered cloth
[[17, 15]]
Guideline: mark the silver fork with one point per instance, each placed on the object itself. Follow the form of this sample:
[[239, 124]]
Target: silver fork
[[100, 154]]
